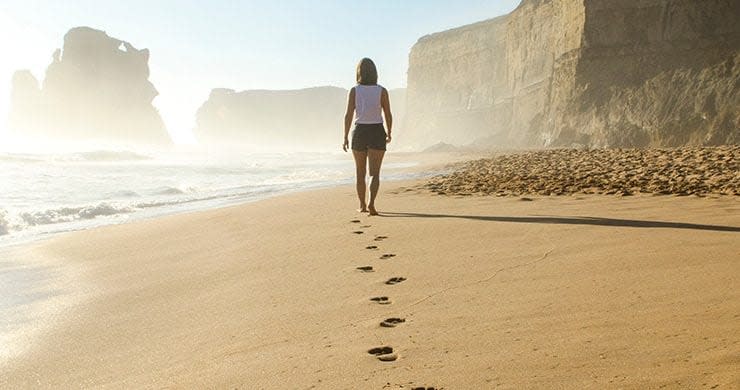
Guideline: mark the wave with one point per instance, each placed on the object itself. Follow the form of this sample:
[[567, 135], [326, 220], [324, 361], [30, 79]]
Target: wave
[[4, 223], [10, 223], [175, 190], [123, 194], [69, 214], [15, 222], [92, 156], [106, 155], [19, 158]]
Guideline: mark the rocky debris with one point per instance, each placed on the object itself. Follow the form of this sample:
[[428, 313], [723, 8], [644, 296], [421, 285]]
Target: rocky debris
[[685, 171], [95, 89], [310, 118], [600, 73]]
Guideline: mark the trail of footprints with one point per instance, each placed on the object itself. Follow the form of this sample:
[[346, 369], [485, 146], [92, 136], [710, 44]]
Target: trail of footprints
[[383, 353]]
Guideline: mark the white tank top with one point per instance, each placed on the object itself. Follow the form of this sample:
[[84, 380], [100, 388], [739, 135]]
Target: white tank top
[[367, 104]]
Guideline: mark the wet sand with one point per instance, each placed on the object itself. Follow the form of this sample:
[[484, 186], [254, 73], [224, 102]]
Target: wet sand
[[452, 292]]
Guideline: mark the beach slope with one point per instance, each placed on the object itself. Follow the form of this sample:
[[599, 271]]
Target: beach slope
[[582, 291]]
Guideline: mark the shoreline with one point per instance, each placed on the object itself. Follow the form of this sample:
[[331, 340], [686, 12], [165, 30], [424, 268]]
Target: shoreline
[[26, 297], [246, 294], [404, 166]]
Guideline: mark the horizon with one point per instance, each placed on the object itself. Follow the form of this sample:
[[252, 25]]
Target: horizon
[[187, 39]]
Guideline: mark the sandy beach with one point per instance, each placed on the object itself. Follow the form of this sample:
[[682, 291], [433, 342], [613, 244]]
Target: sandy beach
[[181, 195], [477, 292]]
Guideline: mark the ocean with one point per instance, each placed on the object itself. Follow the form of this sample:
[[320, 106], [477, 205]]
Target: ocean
[[46, 194]]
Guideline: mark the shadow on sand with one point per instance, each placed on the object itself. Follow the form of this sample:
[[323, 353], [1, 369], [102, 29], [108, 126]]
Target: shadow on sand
[[594, 221]]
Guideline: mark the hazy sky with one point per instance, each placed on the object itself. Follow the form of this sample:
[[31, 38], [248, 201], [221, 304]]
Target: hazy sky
[[199, 45]]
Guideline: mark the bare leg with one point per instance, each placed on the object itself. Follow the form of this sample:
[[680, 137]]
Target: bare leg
[[375, 158], [361, 170]]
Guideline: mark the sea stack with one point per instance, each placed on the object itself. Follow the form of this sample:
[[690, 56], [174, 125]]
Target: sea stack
[[96, 90], [597, 73]]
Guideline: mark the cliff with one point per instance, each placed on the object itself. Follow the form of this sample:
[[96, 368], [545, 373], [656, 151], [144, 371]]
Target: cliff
[[600, 73], [96, 90], [304, 119]]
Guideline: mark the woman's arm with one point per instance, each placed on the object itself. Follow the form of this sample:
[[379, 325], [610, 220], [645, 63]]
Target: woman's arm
[[385, 103], [348, 118]]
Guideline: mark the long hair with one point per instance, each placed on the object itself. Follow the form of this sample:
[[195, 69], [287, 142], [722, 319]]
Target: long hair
[[367, 73]]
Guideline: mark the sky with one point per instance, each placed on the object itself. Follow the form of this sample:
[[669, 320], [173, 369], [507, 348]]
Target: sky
[[196, 46]]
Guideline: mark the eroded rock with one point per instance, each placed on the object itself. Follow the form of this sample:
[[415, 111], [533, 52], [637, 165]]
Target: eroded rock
[[594, 73], [96, 90]]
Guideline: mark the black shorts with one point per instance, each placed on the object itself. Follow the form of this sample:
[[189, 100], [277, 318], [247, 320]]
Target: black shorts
[[368, 136]]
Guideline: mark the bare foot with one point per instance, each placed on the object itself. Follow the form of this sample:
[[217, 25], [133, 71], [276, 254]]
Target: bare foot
[[372, 211], [362, 209]]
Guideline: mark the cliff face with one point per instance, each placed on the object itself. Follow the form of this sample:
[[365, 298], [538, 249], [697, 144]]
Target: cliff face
[[592, 72], [96, 89], [305, 119]]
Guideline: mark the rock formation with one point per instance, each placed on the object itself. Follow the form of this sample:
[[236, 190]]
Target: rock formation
[[95, 90], [304, 119], [599, 73]]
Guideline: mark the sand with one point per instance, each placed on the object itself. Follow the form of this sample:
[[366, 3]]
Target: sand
[[584, 291]]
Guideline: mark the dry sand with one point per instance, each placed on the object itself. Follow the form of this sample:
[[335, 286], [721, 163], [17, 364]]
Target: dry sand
[[586, 291]]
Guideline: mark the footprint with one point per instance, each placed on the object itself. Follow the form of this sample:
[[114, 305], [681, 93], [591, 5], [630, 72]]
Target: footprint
[[366, 268], [384, 354], [371, 247], [392, 322], [358, 232], [381, 300], [380, 238], [386, 256], [423, 388], [395, 280], [380, 351], [366, 226], [355, 221]]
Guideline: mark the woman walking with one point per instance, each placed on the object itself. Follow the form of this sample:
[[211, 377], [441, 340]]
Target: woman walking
[[365, 103]]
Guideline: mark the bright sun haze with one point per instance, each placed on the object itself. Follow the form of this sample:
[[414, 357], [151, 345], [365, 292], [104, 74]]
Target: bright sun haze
[[197, 46]]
